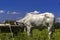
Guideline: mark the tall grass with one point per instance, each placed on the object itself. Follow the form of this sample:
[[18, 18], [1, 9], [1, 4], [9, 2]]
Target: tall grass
[[36, 35]]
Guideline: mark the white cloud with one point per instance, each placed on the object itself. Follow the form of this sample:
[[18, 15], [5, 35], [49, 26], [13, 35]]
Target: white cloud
[[8, 12], [12, 12], [2, 11], [35, 12], [58, 19]]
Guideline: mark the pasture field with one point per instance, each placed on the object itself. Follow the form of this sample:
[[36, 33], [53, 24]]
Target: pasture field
[[36, 35]]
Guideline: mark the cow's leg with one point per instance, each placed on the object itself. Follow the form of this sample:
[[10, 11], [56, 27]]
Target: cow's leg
[[28, 30], [50, 31], [24, 29]]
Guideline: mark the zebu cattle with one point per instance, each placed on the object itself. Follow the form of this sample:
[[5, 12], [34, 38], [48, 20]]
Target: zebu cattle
[[46, 19]]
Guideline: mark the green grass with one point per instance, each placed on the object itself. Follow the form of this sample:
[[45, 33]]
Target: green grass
[[36, 35]]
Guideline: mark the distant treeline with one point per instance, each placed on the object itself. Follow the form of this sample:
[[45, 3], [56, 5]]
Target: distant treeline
[[20, 29], [56, 25]]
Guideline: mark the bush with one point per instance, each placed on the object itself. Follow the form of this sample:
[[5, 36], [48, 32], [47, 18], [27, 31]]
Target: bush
[[36, 35]]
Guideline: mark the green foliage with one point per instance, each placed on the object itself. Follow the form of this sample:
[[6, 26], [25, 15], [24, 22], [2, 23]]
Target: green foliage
[[57, 25], [36, 35], [10, 22], [56, 34]]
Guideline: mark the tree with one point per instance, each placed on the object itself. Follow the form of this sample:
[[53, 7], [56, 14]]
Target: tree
[[57, 25], [10, 22]]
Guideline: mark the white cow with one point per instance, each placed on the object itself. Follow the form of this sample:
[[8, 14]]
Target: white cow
[[34, 19]]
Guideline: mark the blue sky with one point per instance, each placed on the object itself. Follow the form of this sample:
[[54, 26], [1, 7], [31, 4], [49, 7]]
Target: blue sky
[[15, 9]]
